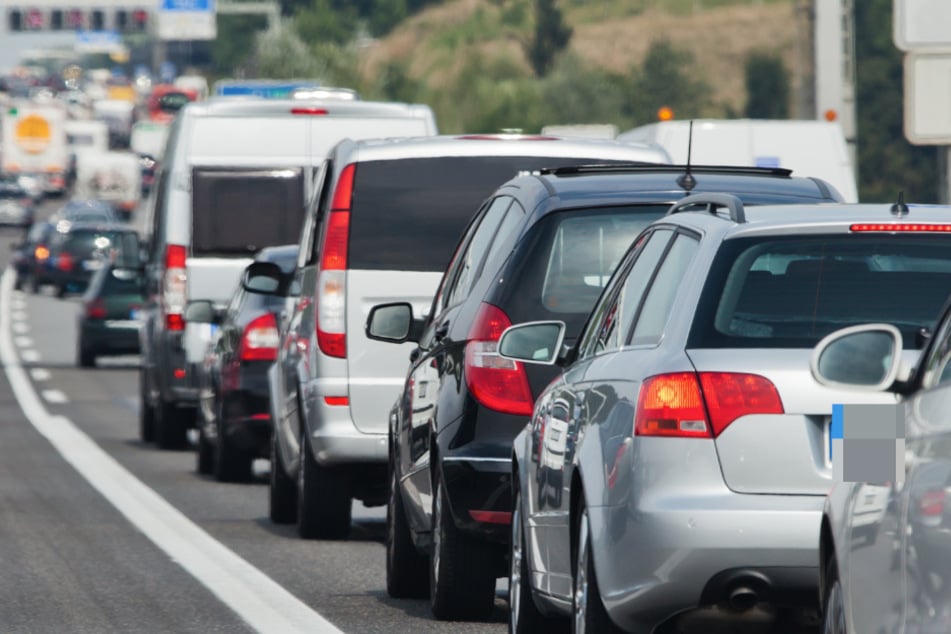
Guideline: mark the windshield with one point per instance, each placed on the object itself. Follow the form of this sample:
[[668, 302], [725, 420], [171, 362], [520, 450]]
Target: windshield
[[791, 292]]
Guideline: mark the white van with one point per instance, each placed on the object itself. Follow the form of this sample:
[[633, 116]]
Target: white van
[[807, 147], [234, 179]]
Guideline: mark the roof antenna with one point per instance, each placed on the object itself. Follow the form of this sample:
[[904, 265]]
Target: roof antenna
[[686, 180], [900, 208]]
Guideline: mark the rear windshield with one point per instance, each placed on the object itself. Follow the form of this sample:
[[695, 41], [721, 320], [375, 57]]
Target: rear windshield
[[238, 212], [120, 281], [567, 260], [88, 244], [408, 214], [791, 292]]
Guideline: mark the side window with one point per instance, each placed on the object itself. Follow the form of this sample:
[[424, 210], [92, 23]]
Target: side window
[[660, 298], [307, 253], [474, 254], [511, 222], [615, 312]]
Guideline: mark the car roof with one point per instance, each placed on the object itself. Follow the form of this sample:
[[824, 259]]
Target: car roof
[[273, 254], [97, 226], [255, 106], [499, 145]]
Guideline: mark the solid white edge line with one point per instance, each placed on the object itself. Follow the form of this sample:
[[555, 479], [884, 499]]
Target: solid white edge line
[[253, 596]]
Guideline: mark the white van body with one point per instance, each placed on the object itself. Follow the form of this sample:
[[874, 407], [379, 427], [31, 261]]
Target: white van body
[[263, 147], [807, 147], [148, 138], [34, 138], [114, 177]]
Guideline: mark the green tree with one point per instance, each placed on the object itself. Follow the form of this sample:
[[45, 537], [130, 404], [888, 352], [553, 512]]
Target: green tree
[[235, 42], [887, 163], [321, 22], [282, 54], [767, 87], [552, 36], [665, 79]]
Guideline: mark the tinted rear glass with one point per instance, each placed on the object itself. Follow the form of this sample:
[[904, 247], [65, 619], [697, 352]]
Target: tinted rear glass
[[408, 214], [567, 260], [90, 244], [791, 292], [122, 282], [239, 212]]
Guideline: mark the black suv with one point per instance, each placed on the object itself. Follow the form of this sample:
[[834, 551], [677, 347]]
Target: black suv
[[542, 247]]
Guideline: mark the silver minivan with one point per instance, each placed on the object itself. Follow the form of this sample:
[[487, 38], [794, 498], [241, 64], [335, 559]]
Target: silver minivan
[[235, 178], [381, 229]]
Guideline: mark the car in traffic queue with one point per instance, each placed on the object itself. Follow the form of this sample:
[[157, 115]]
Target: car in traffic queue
[[29, 255], [108, 324], [382, 227], [234, 421], [695, 491], [78, 249], [897, 577], [16, 206], [542, 247]]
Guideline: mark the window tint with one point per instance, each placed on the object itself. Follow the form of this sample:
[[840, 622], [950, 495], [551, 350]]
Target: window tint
[[653, 316], [86, 244], [511, 222], [791, 292], [408, 214], [615, 315], [477, 248], [238, 212], [121, 281]]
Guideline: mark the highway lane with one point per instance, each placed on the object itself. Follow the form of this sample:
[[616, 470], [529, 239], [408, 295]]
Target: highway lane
[[72, 562]]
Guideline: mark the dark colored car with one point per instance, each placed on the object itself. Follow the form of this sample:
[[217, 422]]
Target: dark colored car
[[86, 211], [541, 248], [29, 257], [109, 322], [234, 423], [16, 205], [79, 250]]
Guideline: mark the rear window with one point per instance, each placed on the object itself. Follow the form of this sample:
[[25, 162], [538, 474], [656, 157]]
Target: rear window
[[120, 281], [791, 292], [408, 214], [238, 212], [86, 244], [567, 261]]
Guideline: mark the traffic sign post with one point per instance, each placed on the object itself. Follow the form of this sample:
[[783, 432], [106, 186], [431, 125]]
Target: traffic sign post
[[187, 20]]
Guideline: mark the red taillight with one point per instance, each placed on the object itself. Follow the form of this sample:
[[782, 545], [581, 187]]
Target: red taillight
[[174, 289], [337, 401], [730, 395], [41, 253], [260, 339], [900, 227], [96, 309], [491, 517], [64, 262], [675, 404], [332, 278], [310, 111], [931, 503], [671, 405], [497, 383]]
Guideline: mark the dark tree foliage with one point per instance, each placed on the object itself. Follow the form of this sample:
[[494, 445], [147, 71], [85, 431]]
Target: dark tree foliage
[[666, 79], [887, 162], [235, 41], [380, 16], [767, 87], [551, 36]]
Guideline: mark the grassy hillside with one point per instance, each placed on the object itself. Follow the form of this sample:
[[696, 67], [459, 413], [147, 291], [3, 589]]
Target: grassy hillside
[[470, 42]]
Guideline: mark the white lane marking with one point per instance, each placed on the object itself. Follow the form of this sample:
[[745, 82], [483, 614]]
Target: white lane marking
[[24, 342], [40, 374], [54, 396], [21, 327], [30, 356], [256, 598]]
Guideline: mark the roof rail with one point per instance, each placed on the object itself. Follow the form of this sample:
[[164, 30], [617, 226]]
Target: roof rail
[[620, 168], [712, 203]]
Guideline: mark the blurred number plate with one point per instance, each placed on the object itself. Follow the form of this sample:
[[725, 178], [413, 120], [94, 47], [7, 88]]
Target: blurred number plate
[[212, 329], [92, 265], [135, 314]]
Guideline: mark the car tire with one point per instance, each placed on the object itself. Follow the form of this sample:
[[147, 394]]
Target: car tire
[[170, 427], [324, 502], [833, 603], [524, 615], [231, 463], [204, 455], [407, 570], [461, 571], [18, 283], [282, 502], [61, 291], [588, 613], [85, 358], [146, 411], [33, 286]]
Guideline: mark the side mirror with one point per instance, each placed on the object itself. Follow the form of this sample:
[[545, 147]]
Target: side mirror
[[393, 323], [533, 342], [263, 278], [202, 311], [866, 357]]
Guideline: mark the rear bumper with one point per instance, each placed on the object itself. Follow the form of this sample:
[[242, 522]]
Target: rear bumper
[[480, 494], [246, 421], [103, 338]]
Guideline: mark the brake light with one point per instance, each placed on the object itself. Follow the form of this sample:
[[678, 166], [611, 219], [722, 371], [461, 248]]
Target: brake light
[[900, 228], [96, 309], [730, 395], [931, 503], [310, 111], [175, 287], [687, 405], [41, 253], [259, 340], [497, 383], [332, 280], [64, 262]]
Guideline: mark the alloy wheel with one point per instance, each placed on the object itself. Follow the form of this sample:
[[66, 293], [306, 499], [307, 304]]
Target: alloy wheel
[[515, 567], [581, 575]]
